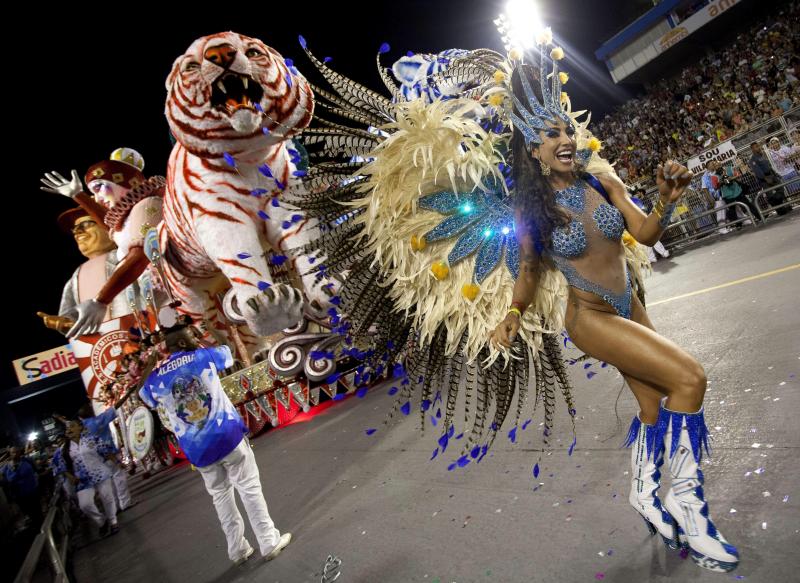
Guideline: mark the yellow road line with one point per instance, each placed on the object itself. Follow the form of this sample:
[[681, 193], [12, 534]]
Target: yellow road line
[[730, 283]]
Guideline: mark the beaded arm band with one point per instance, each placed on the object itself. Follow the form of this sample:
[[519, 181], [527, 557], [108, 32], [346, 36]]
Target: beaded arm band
[[663, 212]]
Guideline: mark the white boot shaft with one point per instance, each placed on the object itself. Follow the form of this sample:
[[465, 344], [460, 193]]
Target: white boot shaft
[[646, 462], [685, 500]]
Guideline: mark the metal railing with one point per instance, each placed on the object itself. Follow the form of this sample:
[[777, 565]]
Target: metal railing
[[713, 228], [56, 521], [698, 220]]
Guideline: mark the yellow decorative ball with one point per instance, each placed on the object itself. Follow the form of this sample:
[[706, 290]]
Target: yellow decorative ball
[[418, 243], [545, 37], [563, 77], [557, 53], [129, 156], [496, 99], [440, 270], [595, 145], [470, 291], [564, 97], [515, 54], [499, 76]]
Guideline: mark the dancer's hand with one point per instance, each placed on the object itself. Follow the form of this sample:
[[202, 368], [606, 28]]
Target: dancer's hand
[[672, 180], [506, 331]]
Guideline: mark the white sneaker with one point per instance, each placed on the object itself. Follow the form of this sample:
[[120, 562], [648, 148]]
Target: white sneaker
[[286, 538], [724, 231], [747, 222], [241, 560]]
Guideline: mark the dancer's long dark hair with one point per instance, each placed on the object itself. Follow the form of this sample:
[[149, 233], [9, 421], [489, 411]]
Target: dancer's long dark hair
[[533, 195]]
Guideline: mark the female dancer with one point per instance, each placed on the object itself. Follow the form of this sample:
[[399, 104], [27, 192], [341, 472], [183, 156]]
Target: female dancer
[[575, 221]]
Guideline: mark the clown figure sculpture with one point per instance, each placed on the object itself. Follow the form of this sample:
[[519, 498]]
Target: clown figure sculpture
[[129, 205]]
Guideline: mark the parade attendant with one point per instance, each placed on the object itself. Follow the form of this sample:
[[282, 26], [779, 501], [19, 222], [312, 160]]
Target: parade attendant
[[187, 389], [100, 426], [83, 461]]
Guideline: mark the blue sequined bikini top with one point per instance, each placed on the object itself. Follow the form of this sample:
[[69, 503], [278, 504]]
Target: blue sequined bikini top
[[596, 225], [570, 241]]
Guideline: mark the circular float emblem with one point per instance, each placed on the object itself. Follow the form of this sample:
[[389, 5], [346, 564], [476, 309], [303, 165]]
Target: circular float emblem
[[106, 354], [140, 432]]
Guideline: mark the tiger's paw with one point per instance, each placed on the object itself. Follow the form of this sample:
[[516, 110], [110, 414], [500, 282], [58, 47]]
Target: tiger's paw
[[269, 311]]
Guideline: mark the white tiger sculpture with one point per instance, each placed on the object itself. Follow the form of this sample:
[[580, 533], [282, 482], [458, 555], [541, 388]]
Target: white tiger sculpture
[[233, 104]]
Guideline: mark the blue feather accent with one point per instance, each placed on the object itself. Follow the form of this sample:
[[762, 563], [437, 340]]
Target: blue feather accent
[[488, 257], [450, 226], [302, 40], [695, 426], [632, 432]]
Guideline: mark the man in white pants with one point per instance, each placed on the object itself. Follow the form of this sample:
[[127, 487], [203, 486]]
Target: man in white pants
[[99, 425], [83, 462], [212, 435]]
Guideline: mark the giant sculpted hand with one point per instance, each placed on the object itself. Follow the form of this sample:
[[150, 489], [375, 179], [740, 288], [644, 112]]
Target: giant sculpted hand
[[90, 315], [57, 184]]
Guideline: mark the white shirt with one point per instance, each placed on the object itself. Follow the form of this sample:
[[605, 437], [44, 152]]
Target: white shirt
[[781, 159]]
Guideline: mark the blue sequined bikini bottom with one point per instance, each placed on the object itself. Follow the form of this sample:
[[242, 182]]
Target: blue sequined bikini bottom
[[620, 302]]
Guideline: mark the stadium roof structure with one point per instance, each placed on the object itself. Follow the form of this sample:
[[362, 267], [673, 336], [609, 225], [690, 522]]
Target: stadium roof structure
[[661, 30]]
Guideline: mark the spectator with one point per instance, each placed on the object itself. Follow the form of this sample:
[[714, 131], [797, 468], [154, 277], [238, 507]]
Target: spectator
[[711, 186], [784, 161], [211, 433], [766, 177], [22, 483], [732, 192], [752, 79]]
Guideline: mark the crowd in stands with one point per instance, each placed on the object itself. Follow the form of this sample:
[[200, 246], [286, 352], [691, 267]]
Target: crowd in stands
[[724, 94]]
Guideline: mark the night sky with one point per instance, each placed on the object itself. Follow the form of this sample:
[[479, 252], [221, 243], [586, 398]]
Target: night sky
[[92, 80]]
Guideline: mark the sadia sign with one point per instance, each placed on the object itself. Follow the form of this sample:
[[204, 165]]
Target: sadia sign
[[44, 364]]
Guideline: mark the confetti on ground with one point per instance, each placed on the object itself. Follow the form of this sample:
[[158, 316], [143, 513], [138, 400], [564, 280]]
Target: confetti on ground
[[733, 510], [599, 576], [610, 552], [684, 554], [766, 494], [782, 383], [763, 526], [756, 445], [785, 498], [760, 471]]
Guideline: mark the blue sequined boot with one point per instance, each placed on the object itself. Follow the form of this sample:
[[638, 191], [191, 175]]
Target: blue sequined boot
[[684, 436], [646, 460]]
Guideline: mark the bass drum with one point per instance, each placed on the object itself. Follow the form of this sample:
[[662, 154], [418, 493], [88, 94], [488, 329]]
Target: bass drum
[[140, 432]]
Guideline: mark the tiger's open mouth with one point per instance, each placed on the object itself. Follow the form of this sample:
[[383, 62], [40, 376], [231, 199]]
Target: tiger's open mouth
[[232, 92]]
